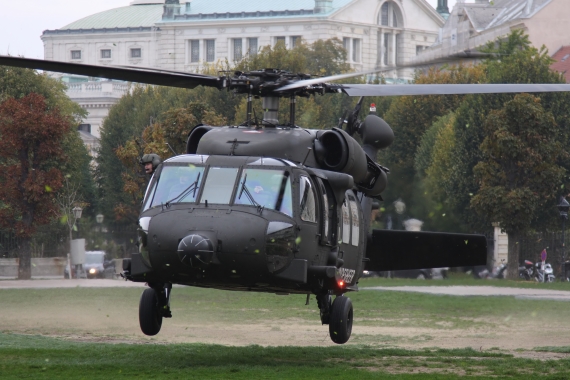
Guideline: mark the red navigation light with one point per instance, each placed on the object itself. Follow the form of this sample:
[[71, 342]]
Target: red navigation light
[[341, 284]]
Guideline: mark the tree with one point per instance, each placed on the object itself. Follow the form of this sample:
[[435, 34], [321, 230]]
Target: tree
[[513, 60], [30, 147], [410, 117], [174, 129], [519, 173]]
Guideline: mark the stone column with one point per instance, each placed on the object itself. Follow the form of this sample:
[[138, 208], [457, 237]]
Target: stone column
[[381, 48], [393, 52]]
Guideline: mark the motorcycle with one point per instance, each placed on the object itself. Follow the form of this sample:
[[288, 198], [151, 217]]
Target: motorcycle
[[544, 275], [526, 271]]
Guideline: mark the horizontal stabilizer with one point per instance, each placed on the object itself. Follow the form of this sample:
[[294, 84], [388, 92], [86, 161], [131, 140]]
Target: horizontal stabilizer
[[400, 250]]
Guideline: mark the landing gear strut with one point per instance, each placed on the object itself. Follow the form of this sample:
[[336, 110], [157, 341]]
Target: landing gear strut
[[338, 315], [154, 305]]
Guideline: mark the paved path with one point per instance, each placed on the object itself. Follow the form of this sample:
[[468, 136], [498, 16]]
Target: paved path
[[546, 294], [61, 283]]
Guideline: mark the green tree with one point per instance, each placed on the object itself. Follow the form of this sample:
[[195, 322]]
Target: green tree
[[410, 117], [513, 60], [519, 173]]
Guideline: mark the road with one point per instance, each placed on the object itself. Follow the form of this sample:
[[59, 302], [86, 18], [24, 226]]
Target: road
[[546, 294]]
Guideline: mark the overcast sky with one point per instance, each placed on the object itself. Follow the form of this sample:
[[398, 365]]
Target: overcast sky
[[22, 22]]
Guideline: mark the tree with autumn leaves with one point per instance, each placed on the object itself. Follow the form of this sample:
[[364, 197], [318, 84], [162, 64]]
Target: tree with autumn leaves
[[160, 138], [30, 150]]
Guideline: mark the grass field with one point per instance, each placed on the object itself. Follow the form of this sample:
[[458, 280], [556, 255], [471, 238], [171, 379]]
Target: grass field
[[36, 357], [93, 333]]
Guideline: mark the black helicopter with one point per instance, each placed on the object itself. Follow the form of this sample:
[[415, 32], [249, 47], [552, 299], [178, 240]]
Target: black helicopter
[[271, 207]]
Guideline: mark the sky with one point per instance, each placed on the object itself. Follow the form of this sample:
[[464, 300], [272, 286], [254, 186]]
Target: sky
[[22, 22]]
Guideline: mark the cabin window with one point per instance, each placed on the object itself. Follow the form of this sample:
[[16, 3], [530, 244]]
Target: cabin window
[[307, 200], [355, 220], [177, 184], [345, 222], [219, 185], [268, 188]]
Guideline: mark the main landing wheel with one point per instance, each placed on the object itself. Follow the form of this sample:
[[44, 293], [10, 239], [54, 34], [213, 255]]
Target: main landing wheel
[[340, 325], [150, 317]]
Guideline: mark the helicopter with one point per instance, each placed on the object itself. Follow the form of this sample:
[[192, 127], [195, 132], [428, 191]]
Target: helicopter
[[268, 206]]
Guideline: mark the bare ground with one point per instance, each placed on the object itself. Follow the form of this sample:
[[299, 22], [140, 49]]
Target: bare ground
[[118, 324]]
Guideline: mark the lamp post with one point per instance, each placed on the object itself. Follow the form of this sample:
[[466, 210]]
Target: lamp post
[[76, 215], [563, 208]]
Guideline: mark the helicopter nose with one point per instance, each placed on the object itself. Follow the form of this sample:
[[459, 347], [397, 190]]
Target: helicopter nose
[[196, 250]]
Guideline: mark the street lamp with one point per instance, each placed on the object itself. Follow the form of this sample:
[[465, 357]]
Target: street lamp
[[99, 218], [563, 208], [77, 212]]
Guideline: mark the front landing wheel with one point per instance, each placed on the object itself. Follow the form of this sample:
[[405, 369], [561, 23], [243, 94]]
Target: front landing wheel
[[340, 326], [150, 317]]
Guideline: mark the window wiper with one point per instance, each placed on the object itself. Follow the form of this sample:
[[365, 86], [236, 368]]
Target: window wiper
[[247, 193], [193, 187]]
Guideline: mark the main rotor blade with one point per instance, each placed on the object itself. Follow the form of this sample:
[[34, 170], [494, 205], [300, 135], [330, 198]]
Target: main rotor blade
[[448, 89], [310, 82], [139, 75]]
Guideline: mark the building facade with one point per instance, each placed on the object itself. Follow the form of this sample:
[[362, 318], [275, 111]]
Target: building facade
[[184, 36], [471, 25]]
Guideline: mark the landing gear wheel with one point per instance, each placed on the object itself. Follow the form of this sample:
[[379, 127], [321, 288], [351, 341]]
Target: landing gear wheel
[[340, 326], [150, 317]]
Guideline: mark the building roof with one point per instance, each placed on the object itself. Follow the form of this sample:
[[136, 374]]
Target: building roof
[[132, 16], [562, 64], [502, 11], [140, 14]]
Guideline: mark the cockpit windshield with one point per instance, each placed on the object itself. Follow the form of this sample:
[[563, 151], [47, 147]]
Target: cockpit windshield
[[177, 184], [268, 188]]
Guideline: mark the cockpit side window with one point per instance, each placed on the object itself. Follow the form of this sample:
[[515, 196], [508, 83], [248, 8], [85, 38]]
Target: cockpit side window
[[176, 184], [345, 222], [268, 188], [307, 200], [355, 220]]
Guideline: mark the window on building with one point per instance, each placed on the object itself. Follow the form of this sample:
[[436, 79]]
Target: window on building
[[294, 41], [84, 128], [390, 15], [356, 43], [419, 49], [76, 54], [194, 50], [136, 53], [384, 14], [394, 18], [280, 40], [238, 51], [210, 50], [346, 45], [252, 46], [105, 53]]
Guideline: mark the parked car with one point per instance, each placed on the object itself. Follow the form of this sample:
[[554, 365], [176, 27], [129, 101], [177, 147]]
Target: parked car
[[420, 274], [96, 266]]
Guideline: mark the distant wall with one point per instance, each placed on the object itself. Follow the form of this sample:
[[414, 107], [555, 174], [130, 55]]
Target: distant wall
[[41, 267]]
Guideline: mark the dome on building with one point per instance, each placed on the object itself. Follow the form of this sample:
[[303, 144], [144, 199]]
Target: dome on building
[[132, 16]]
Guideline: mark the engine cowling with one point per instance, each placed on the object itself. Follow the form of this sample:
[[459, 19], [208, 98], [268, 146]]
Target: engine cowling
[[336, 151]]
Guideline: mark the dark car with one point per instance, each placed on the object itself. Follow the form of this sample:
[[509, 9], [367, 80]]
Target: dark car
[[96, 266]]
